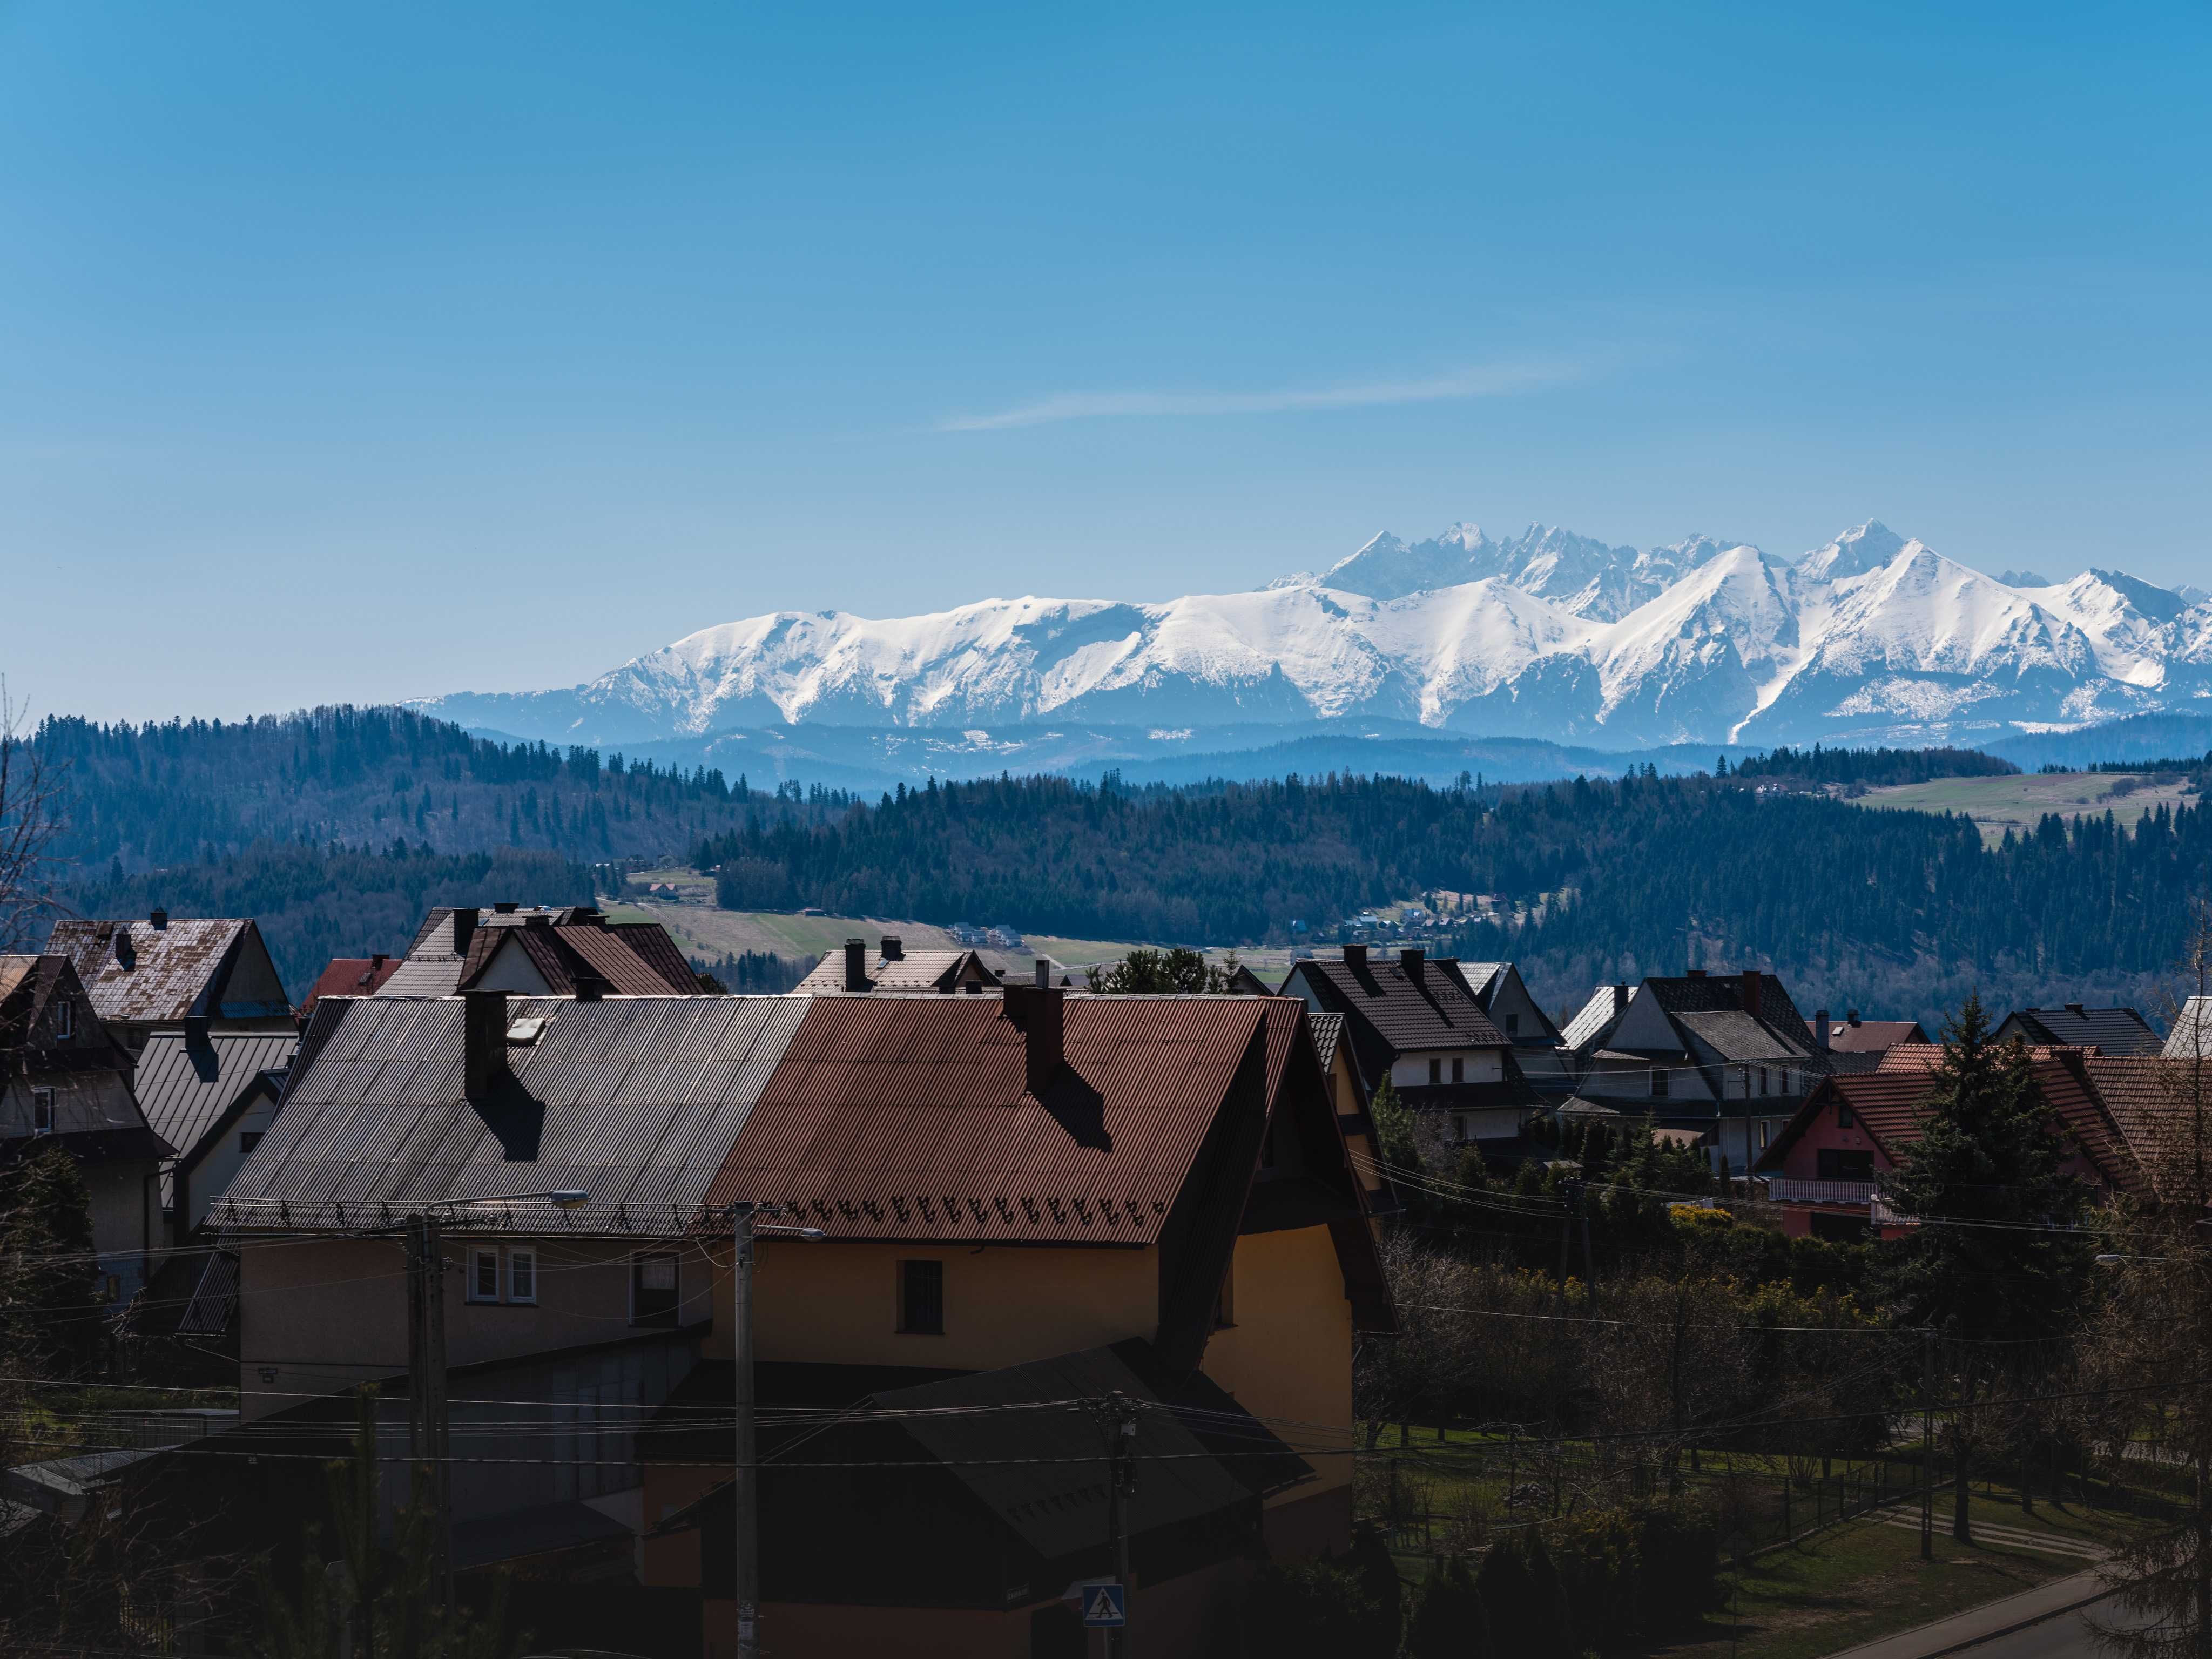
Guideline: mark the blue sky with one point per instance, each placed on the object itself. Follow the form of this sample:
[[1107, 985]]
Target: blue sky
[[372, 351]]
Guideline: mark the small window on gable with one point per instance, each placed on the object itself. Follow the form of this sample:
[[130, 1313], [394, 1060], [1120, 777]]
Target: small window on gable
[[483, 1275], [1844, 1118], [42, 1111], [64, 1019], [522, 1275], [922, 1298], [247, 1140], [1436, 1070]]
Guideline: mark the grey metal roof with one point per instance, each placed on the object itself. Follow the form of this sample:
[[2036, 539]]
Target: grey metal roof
[[1733, 1034], [2192, 1035], [635, 1100], [2114, 1030], [1591, 1019], [185, 1087]]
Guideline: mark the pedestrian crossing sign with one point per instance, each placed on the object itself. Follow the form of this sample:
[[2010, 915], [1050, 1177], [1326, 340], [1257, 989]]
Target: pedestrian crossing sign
[[1105, 1605]]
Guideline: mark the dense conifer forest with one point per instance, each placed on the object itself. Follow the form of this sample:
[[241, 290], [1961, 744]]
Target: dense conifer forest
[[150, 796], [337, 828], [1600, 880]]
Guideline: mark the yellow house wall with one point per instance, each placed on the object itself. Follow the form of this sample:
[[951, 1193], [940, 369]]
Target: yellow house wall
[[1287, 1357], [836, 1303]]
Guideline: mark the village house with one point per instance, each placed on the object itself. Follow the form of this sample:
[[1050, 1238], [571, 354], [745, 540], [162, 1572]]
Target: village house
[[1725, 1057], [65, 1080], [1413, 1021], [1348, 1094], [150, 975], [211, 1094], [1023, 1201], [894, 968], [1178, 1182], [1499, 992], [1825, 1169], [2114, 1030], [538, 951]]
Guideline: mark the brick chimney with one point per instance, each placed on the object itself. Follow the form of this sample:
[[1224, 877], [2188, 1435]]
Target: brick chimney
[[1820, 1029], [1036, 1013], [159, 917], [1043, 972], [465, 929], [1410, 960], [1620, 997], [1751, 991], [1355, 956], [856, 964], [893, 948], [483, 1042]]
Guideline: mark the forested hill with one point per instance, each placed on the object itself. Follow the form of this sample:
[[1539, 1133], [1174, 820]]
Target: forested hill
[[157, 795], [1896, 911]]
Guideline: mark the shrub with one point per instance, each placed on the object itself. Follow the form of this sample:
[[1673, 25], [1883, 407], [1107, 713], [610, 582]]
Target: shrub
[[1447, 1620], [1316, 1609], [1518, 1586]]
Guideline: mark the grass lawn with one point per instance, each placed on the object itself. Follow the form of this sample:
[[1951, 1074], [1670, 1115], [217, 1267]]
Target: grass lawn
[[1865, 1579], [2015, 802]]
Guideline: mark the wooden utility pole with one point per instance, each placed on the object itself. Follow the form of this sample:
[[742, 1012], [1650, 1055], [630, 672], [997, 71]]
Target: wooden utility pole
[[1928, 1445], [1121, 1487], [745, 1485], [429, 1440]]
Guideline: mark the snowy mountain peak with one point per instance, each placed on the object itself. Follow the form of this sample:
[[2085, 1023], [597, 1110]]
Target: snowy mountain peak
[[1867, 547], [1873, 638]]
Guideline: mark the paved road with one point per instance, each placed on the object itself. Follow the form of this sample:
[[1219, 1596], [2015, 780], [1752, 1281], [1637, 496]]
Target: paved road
[[2067, 1637]]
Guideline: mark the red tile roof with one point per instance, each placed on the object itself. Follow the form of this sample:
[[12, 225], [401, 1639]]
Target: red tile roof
[[908, 1117], [350, 976]]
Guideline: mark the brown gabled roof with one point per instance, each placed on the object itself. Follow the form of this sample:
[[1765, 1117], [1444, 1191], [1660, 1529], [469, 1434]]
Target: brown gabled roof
[[1886, 1103], [910, 970], [163, 974], [1862, 1036], [909, 1117]]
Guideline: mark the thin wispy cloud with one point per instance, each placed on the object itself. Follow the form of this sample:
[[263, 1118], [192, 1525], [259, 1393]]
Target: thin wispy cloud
[[1495, 381]]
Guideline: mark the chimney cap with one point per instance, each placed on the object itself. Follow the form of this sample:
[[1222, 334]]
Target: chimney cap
[[1852, 1017], [505, 907], [892, 947], [2075, 1008]]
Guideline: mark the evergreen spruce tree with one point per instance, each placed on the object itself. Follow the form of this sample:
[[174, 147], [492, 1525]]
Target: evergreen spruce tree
[[1394, 1129], [1986, 1179], [50, 1322], [1447, 1620]]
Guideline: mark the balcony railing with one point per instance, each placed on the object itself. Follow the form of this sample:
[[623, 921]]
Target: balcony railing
[[1780, 1191]]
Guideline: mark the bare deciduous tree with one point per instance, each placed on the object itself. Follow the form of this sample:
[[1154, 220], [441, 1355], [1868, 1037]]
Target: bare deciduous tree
[[32, 815], [2155, 1344]]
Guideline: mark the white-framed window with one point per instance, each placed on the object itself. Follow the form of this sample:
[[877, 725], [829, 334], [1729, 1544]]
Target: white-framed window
[[42, 1111], [522, 1274], [653, 1288], [64, 1019], [483, 1273]]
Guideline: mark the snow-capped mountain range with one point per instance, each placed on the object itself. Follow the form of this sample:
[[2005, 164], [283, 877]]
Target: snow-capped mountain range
[[1871, 638]]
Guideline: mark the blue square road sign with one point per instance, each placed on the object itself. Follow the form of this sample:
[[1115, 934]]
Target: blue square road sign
[[1105, 1605]]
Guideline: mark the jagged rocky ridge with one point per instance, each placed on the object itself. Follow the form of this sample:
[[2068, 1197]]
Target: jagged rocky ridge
[[1872, 638]]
